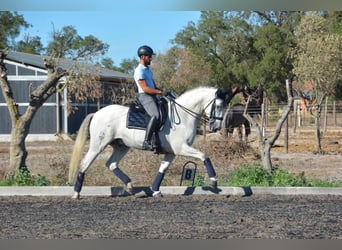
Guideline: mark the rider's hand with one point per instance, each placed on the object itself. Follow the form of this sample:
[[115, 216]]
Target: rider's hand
[[165, 93]]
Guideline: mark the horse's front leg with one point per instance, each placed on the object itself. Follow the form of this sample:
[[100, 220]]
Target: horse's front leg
[[168, 158], [192, 152], [211, 172]]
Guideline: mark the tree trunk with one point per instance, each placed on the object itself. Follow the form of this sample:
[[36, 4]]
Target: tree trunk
[[21, 123], [19, 132], [18, 153], [265, 153], [266, 142]]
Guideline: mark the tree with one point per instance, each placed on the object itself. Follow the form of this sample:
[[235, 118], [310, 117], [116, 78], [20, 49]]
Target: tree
[[82, 81], [272, 64], [318, 60], [10, 25], [31, 45], [335, 21], [180, 69], [224, 41], [244, 48], [128, 65], [67, 43], [286, 19], [107, 63], [266, 142]]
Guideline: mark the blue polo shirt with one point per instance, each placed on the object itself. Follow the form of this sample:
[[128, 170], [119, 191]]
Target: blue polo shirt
[[143, 73]]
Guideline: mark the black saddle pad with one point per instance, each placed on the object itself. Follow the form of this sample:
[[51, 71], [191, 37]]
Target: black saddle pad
[[137, 117]]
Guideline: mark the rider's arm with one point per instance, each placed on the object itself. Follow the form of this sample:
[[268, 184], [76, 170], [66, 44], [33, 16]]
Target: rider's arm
[[147, 89]]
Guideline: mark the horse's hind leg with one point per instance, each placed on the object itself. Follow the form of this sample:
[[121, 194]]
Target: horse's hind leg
[[113, 164], [247, 131], [86, 162], [240, 133]]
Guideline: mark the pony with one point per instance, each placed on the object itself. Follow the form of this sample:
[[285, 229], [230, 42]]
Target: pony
[[107, 127], [234, 118]]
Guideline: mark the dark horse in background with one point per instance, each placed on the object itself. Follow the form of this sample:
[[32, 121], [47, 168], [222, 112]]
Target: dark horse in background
[[234, 118]]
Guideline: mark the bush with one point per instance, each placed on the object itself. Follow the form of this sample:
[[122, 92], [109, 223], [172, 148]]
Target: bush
[[248, 175], [281, 178], [256, 175], [25, 178]]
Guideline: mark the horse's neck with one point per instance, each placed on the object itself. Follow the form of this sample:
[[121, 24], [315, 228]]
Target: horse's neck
[[194, 102]]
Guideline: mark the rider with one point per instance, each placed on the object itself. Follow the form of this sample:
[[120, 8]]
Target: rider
[[147, 89]]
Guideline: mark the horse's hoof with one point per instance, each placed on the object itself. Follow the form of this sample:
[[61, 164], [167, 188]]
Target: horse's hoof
[[129, 188], [76, 196], [157, 194], [213, 183]]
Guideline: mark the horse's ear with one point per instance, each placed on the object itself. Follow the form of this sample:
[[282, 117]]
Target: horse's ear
[[222, 94], [228, 91]]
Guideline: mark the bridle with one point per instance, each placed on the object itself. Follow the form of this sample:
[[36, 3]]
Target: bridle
[[175, 118]]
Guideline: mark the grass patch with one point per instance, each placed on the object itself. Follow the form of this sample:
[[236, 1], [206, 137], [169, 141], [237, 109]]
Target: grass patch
[[256, 175], [25, 178]]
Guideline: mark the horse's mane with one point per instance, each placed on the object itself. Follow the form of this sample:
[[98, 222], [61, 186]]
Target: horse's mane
[[195, 92]]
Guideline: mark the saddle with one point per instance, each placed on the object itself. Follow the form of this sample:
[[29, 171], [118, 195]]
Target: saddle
[[137, 118]]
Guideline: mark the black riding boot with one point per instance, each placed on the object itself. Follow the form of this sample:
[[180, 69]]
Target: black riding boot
[[151, 127]]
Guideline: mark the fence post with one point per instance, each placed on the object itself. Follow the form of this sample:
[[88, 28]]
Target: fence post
[[287, 135], [334, 114], [326, 114]]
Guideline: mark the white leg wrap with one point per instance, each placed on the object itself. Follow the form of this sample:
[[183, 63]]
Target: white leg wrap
[[112, 166], [164, 166], [213, 178]]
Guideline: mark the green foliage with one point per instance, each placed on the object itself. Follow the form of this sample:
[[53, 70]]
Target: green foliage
[[180, 69], [10, 25], [199, 180], [281, 178], [250, 176], [128, 65], [66, 43], [320, 183], [273, 65], [335, 20], [256, 175], [224, 42], [317, 56], [31, 45], [25, 178], [242, 52]]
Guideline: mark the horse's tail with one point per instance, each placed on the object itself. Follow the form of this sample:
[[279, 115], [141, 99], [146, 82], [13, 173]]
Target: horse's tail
[[81, 139]]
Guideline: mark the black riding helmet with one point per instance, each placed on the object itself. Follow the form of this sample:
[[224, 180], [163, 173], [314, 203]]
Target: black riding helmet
[[145, 50]]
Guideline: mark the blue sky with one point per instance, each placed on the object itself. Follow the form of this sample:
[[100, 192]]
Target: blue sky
[[124, 31]]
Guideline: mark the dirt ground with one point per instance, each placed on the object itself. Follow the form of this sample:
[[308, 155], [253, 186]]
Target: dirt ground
[[172, 217], [51, 159], [178, 217]]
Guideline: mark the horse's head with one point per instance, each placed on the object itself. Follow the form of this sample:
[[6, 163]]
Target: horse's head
[[209, 100], [217, 110]]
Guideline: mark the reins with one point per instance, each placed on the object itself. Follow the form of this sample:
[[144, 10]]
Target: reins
[[174, 112]]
